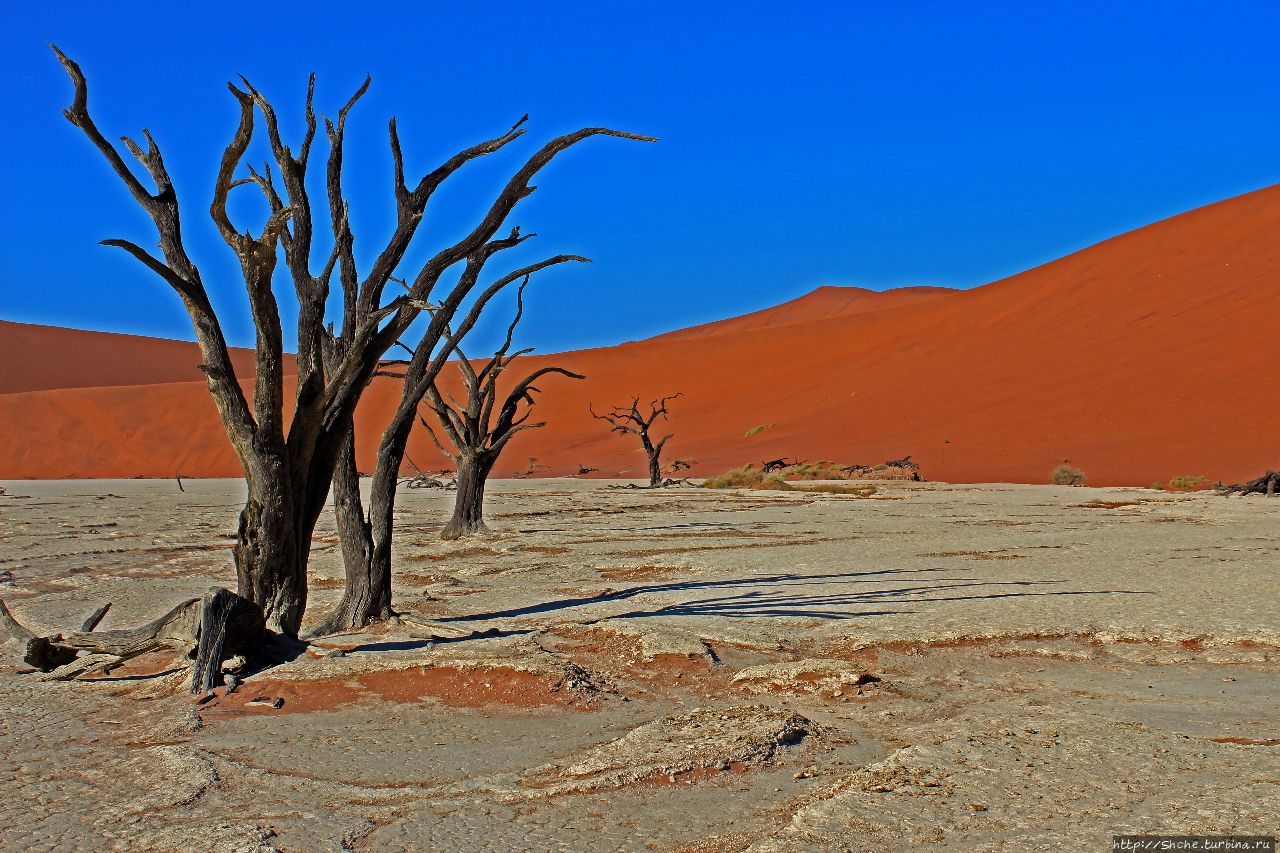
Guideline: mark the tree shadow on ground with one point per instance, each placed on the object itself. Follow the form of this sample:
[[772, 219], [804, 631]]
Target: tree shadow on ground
[[789, 603], [838, 606], [678, 586]]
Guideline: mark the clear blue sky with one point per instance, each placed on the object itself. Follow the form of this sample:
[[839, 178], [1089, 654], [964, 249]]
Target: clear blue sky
[[872, 143]]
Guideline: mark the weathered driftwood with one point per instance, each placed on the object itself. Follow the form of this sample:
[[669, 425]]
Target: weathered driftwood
[[228, 623], [94, 618], [35, 650], [208, 629], [1268, 484]]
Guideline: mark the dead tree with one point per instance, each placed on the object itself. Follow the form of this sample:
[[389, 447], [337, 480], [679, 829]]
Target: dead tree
[[475, 439], [366, 535], [775, 465], [628, 420], [1268, 484], [288, 462]]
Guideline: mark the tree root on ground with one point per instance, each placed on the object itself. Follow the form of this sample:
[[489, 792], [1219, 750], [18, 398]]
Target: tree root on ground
[[208, 630]]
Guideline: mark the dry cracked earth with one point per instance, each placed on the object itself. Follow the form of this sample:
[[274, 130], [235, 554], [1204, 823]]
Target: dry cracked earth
[[979, 667]]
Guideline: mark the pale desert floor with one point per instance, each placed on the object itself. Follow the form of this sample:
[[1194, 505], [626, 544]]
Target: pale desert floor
[[671, 670]]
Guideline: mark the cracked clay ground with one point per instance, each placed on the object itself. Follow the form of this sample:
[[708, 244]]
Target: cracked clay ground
[[978, 667]]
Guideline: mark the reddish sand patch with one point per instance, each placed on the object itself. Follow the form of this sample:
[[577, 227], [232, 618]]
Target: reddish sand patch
[[622, 656], [692, 777], [1248, 741], [457, 687], [638, 573], [1015, 376]]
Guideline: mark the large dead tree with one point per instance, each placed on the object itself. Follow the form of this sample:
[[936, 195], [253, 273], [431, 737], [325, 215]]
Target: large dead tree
[[288, 462], [629, 420], [475, 438], [366, 536]]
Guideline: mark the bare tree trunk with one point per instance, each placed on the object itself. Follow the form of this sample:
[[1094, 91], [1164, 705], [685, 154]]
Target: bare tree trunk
[[366, 595], [367, 539], [271, 547], [468, 506], [655, 467]]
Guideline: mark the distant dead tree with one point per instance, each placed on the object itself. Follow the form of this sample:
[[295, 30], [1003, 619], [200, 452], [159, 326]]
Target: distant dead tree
[[583, 470], [774, 465], [288, 462], [475, 439], [629, 420]]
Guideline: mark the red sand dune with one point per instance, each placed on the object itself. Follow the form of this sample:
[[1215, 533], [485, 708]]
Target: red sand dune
[[816, 305], [1149, 355], [40, 358]]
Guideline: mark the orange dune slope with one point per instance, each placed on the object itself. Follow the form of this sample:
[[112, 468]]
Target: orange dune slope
[[40, 358], [1149, 355], [816, 305]]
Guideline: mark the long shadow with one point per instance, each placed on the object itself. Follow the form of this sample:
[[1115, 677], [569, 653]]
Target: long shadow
[[430, 642], [836, 606], [789, 578]]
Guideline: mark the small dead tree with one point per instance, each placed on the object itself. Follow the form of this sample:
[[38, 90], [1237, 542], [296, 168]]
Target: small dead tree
[[629, 420], [288, 462], [475, 439]]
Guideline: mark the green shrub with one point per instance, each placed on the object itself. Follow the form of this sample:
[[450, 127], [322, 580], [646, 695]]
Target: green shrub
[[1186, 483]]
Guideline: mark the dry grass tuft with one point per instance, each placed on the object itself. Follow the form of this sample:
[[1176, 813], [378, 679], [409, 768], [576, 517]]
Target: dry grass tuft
[[1067, 475], [749, 477]]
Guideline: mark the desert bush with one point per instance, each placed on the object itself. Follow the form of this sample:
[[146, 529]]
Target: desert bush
[[749, 477], [821, 470], [836, 489], [1067, 475], [1185, 483], [746, 477], [756, 430]]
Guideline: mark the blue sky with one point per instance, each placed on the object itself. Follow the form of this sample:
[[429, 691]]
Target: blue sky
[[862, 143]]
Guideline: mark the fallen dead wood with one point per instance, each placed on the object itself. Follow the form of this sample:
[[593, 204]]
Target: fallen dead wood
[[207, 629], [423, 481], [1268, 484]]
